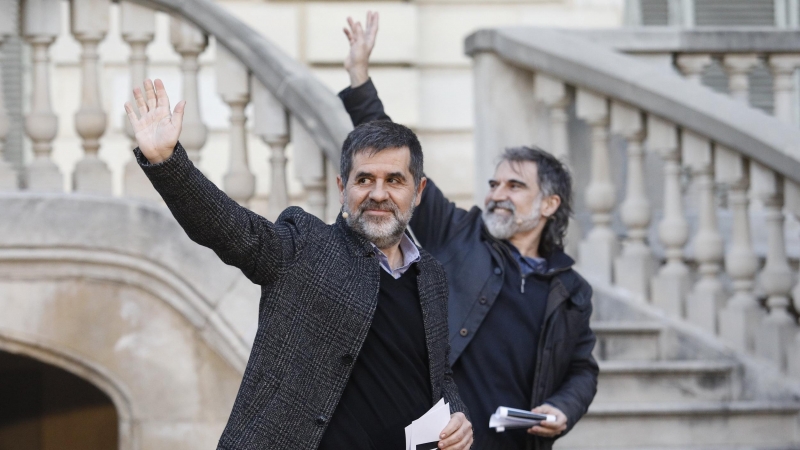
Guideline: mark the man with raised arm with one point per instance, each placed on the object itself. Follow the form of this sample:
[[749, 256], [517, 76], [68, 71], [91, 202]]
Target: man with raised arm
[[352, 334], [519, 314]]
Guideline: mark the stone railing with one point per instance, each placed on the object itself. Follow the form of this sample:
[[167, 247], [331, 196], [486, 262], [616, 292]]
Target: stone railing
[[679, 154], [290, 106]]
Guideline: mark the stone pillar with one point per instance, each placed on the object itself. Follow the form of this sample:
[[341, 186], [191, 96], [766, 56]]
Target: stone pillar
[[311, 172], [778, 328], [738, 66], [671, 285], [138, 27], [89, 23], [600, 247], [692, 65], [233, 85], [272, 126], [707, 296], [742, 314], [8, 177], [41, 24], [504, 111], [554, 94], [190, 42], [633, 267], [783, 67]]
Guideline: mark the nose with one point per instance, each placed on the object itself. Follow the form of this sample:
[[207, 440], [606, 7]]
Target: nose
[[379, 192], [498, 194]]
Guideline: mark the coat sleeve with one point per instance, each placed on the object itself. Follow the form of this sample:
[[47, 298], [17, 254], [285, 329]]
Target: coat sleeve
[[450, 390], [363, 103], [238, 236], [579, 387]]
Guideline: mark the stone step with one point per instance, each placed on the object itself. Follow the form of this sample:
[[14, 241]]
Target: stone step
[[627, 341], [710, 425], [665, 381]]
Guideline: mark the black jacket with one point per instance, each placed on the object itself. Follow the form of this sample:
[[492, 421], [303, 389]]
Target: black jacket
[[319, 288], [566, 372]]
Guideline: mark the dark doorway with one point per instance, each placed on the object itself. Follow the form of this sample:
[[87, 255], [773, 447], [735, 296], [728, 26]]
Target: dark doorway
[[45, 408]]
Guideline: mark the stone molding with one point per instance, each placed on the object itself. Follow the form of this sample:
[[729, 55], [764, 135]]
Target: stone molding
[[705, 40], [577, 61]]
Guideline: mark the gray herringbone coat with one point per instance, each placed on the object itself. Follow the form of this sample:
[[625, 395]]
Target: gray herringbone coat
[[319, 288]]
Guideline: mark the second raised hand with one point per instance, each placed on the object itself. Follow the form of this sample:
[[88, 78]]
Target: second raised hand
[[156, 127], [361, 44]]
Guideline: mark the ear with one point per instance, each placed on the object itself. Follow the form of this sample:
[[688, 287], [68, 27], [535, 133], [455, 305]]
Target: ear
[[341, 188], [422, 183], [550, 205]]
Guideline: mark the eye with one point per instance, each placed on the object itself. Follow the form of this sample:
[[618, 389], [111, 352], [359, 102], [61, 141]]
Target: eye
[[492, 184], [362, 181]]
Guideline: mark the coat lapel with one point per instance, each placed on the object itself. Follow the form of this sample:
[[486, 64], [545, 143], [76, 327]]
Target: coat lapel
[[428, 293]]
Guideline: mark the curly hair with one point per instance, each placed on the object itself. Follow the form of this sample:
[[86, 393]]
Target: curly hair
[[554, 179]]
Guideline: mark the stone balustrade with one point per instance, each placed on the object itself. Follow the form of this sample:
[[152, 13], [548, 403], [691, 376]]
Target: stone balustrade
[[291, 112], [671, 177]]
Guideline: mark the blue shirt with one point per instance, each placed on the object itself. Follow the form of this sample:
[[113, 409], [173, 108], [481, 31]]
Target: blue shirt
[[410, 256]]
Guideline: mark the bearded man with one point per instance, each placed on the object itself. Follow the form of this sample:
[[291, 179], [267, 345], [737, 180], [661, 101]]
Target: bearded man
[[519, 313], [352, 330]]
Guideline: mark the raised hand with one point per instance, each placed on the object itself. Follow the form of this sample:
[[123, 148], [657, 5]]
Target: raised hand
[[157, 128], [362, 41]]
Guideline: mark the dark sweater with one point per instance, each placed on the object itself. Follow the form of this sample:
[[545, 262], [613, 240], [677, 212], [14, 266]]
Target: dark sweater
[[389, 386]]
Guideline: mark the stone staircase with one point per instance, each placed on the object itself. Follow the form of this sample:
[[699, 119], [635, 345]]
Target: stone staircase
[[664, 385]]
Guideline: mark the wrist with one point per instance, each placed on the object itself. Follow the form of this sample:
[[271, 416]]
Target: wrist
[[358, 76]]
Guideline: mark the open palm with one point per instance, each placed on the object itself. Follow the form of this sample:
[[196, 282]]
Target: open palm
[[156, 128]]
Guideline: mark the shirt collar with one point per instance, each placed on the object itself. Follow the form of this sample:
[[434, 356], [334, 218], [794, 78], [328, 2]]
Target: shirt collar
[[410, 256]]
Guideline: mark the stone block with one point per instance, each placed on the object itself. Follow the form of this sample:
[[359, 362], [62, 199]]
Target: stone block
[[449, 162], [633, 272], [92, 176], [278, 22], [446, 99], [326, 43], [668, 291], [703, 303], [738, 325], [619, 341], [597, 254], [774, 338]]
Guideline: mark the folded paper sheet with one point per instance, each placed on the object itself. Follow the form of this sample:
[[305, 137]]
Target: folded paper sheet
[[511, 418], [423, 433]]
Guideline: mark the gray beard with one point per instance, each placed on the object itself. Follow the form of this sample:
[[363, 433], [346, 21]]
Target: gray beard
[[504, 227], [384, 232]]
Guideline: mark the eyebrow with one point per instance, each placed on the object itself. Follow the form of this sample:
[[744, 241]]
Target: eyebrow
[[512, 180], [391, 175]]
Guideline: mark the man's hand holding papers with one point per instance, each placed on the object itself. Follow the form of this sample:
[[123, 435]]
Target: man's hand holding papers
[[437, 428]]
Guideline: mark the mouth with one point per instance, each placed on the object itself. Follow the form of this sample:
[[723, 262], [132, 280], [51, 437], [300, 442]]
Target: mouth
[[502, 211]]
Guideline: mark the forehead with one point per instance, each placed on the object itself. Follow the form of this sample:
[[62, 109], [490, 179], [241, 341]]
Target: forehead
[[525, 171], [388, 160]]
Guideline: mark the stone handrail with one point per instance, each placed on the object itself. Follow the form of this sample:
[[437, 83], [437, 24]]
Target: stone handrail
[[577, 61], [320, 112], [697, 40]]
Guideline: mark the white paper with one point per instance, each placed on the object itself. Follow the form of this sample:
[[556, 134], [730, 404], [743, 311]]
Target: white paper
[[500, 420], [428, 427]]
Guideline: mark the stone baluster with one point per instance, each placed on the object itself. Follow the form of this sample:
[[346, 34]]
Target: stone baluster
[[233, 85], [600, 247], [783, 67], [190, 42], [272, 126], [778, 328], [742, 315], [692, 65], [671, 285], [707, 296], [633, 267], [41, 25], [89, 22], [311, 172], [8, 177], [554, 94], [138, 28], [738, 66]]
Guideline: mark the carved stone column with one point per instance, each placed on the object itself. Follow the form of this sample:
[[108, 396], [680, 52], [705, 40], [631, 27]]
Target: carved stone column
[[600, 247], [272, 126], [778, 328], [738, 66], [233, 85], [707, 296], [742, 314], [671, 285], [190, 42], [692, 65], [8, 176], [783, 68], [89, 23], [138, 27], [311, 172], [41, 25], [634, 267]]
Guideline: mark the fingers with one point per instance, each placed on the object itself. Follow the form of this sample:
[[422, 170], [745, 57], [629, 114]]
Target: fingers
[[372, 26], [451, 427], [349, 36], [177, 115], [162, 99], [457, 431], [137, 96], [150, 94], [131, 114]]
